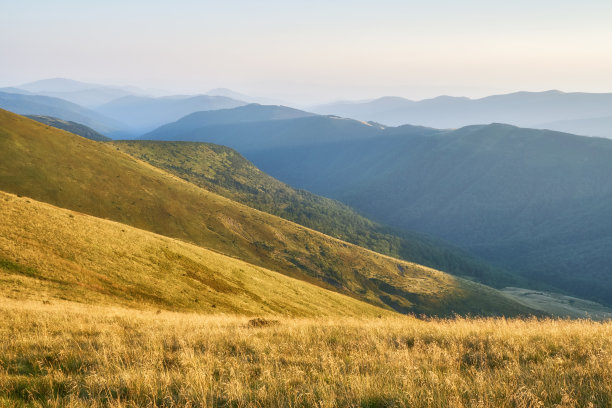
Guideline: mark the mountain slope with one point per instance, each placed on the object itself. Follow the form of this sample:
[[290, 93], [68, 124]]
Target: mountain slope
[[59, 254], [225, 172], [536, 202], [71, 127], [533, 201], [58, 108], [529, 109], [142, 114], [72, 172]]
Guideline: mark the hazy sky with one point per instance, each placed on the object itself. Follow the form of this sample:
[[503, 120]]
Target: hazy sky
[[313, 50]]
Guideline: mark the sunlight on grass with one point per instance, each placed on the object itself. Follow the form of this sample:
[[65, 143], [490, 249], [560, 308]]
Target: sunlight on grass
[[64, 354]]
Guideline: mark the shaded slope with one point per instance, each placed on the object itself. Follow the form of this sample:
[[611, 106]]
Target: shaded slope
[[53, 253], [71, 127], [224, 171], [536, 202], [72, 172]]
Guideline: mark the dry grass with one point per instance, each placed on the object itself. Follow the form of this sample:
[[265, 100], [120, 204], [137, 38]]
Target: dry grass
[[51, 253], [64, 354]]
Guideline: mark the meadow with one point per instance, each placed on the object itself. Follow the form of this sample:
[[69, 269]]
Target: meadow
[[59, 353]]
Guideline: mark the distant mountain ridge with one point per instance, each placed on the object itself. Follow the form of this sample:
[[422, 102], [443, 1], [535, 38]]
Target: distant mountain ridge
[[85, 94], [115, 111], [261, 127], [142, 114], [242, 97], [26, 104], [525, 109]]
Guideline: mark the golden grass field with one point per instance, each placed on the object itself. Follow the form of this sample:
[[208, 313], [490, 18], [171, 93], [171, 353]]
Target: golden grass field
[[48, 253], [66, 354]]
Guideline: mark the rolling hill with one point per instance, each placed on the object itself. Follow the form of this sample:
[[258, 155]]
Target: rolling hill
[[26, 104], [71, 127], [49, 253], [141, 114], [75, 173], [224, 171], [527, 109], [535, 202]]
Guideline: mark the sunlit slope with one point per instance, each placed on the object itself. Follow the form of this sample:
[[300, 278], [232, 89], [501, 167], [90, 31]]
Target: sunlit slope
[[70, 355], [50, 253], [224, 171], [72, 172]]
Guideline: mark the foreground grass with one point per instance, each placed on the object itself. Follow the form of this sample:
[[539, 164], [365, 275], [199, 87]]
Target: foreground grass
[[65, 354]]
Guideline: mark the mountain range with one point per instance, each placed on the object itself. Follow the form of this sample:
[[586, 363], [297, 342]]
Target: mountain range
[[536, 202], [27, 104], [93, 178], [573, 112], [82, 93], [135, 111], [141, 114]]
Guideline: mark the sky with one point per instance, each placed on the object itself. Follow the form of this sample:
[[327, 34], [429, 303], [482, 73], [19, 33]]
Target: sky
[[313, 51]]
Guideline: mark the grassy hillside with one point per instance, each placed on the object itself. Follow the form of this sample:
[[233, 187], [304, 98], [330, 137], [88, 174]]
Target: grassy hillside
[[71, 127], [72, 172], [48, 253], [225, 172], [62, 354]]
